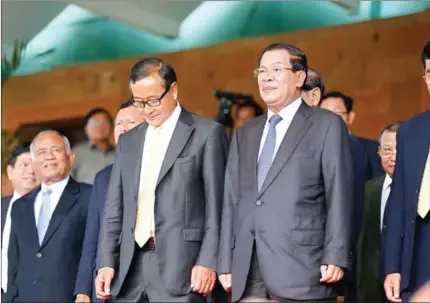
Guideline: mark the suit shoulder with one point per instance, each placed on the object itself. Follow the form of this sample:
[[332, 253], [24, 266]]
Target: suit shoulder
[[375, 182], [6, 199], [415, 123], [84, 187], [205, 122], [103, 176]]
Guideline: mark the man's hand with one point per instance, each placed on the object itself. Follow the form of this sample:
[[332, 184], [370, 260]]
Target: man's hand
[[392, 287], [83, 299], [202, 280], [103, 281], [331, 273], [225, 280]]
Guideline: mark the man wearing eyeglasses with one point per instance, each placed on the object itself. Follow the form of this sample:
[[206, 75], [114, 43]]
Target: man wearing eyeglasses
[[160, 231], [369, 284], [406, 229], [285, 232]]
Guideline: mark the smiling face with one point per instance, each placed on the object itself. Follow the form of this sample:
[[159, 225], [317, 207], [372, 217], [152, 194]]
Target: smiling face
[[278, 84], [22, 174], [151, 88], [126, 119], [387, 151], [50, 158]]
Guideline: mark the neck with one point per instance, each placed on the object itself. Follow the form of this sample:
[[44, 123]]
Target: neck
[[54, 180], [102, 145], [277, 108], [20, 191]]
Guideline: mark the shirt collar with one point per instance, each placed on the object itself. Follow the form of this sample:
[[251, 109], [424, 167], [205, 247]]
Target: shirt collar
[[387, 182], [170, 123], [288, 111], [56, 187], [15, 196]]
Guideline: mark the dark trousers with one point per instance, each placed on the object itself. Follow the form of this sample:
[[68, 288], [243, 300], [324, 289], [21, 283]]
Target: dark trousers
[[256, 291], [143, 282]]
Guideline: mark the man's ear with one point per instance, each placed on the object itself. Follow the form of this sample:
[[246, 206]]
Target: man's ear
[[351, 117], [9, 171], [316, 96], [301, 77]]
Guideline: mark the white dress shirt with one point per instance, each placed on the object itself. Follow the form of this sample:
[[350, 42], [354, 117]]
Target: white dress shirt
[[166, 134], [57, 191], [287, 114], [5, 242], [386, 189]]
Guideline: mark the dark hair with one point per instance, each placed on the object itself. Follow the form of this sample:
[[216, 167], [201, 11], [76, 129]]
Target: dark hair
[[18, 150], [314, 80], [98, 110], [125, 104], [347, 101], [426, 53], [257, 108], [148, 66], [298, 59], [391, 127]]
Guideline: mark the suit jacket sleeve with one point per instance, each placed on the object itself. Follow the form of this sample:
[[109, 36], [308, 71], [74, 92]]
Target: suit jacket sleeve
[[392, 234], [214, 160], [13, 257], [230, 200], [338, 181], [84, 279], [111, 225]]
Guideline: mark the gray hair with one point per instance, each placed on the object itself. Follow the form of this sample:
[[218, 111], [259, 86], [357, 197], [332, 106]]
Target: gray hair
[[391, 127], [52, 132]]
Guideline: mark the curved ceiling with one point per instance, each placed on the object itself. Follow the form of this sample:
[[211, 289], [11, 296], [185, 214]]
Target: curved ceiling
[[104, 30]]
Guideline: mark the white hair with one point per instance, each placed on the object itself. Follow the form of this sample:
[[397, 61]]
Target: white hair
[[51, 132]]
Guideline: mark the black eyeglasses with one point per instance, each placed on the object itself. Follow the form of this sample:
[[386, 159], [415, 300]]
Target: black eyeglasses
[[153, 102]]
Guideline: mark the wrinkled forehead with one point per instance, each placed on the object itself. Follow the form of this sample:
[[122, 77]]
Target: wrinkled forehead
[[49, 140], [388, 138]]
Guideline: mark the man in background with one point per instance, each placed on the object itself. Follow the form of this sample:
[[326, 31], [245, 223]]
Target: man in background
[[343, 106], [245, 112], [97, 153], [127, 118], [313, 89], [406, 230], [48, 226], [369, 284], [23, 177]]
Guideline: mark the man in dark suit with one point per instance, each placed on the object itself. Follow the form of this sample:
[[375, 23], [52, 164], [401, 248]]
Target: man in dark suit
[[127, 118], [48, 227], [406, 231], [23, 178], [285, 229], [313, 89], [369, 282], [342, 105], [160, 231]]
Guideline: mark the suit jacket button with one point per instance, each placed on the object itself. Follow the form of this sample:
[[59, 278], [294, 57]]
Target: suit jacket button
[[258, 203], [39, 255]]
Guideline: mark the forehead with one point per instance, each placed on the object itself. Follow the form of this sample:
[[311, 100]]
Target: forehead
[[333, 102], [148, 86], [23, 157], [48, 140], [279, 56], [127, 112], [388, 137], [99, 116]]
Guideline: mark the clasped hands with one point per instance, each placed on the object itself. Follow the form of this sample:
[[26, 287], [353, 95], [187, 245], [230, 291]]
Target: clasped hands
[[329, 274], [202, 281]]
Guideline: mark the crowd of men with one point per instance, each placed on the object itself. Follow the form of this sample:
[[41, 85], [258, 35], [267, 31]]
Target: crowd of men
[[291, 207]]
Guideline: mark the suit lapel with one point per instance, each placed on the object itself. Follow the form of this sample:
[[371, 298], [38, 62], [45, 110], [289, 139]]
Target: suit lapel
[[136, 153], [67, 200], [376, 201], [180, 136], [298, 128], [30, 217]]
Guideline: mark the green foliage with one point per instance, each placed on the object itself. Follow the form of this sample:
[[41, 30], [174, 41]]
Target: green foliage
[[8, 65]]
